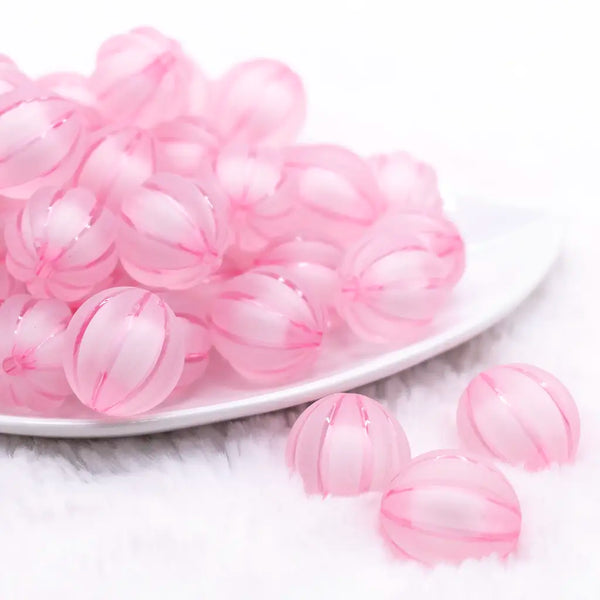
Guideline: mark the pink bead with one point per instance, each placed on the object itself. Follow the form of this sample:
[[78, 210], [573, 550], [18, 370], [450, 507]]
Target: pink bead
[[259, 102], [312, 262], [41, 141], [519, 414], [141, 78], [265, 326], [9, 286], [335, 190], [407, 184], [10, 76], [31, 346], [396, 278], [61, 244], [199, 91], [346, 444], [115, 162], [191, 312], [448, 506], [185, 145], [124, 351], [252, 180], [173, 231]]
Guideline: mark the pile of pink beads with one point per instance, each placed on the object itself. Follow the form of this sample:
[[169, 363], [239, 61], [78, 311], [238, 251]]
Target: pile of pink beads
[[150, 213], [445, 505]]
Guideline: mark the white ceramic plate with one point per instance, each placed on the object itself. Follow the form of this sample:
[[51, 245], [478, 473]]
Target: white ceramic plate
[[509, 251]]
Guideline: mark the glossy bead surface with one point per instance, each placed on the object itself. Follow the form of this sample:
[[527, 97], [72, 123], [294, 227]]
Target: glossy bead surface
[[519, 414], [116, 161], [265, 326], [335, 191], [252, 180], [41, 141], [141, 78], [346, 444], [447, 506], [31, 346], [191, 312], [62, 244], [260, 102], [395, 279], [407, 184], [173, 231], [124, 351], [185, 145]]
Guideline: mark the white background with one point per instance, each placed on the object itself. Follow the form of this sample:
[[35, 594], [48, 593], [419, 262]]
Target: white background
[[503, 97]]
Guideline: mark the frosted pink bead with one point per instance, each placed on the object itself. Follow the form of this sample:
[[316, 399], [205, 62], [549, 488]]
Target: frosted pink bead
[[9, 286], [265, 326], [199, 91], [191, 311], [124, 351], [335, 191], [252, 180], [41, 141], [31, 346], [448, 506], [312, 262], [346, 444], [521, 415], [10, 75], [396, 278], [407, 184], [185, 145], [259, 102], [61, 244], [115, 162], [173, 231], [141, 78]]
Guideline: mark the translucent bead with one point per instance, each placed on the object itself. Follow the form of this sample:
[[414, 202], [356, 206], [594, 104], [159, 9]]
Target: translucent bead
[[173, 231], [265, 326], [31, 347], [446, 506], [252, 180], [62, 244], [124, 351], [312, 262], [9, 286], [336, 193], [184, 146], [191, 311], [346, 444], [141, 78], [396, 278], [259, 102], [199, 91], [10, 76], [115, 162], [41, 141], [407, 184], [519, 414]]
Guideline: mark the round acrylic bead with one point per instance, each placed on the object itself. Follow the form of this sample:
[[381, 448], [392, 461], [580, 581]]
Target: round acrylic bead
[[141, 78], [10, 75], [407, 184], [519, 414], [191, 313], [41, 141], [265, 326], [173, 231], [446, 506], [116, 161], [124, 351], [346, 444], [395, 279], [259, 102], [335, 191], [312, 262], [31, 345], [9, 286], [61, 244], [252, 180], [185, 145]]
